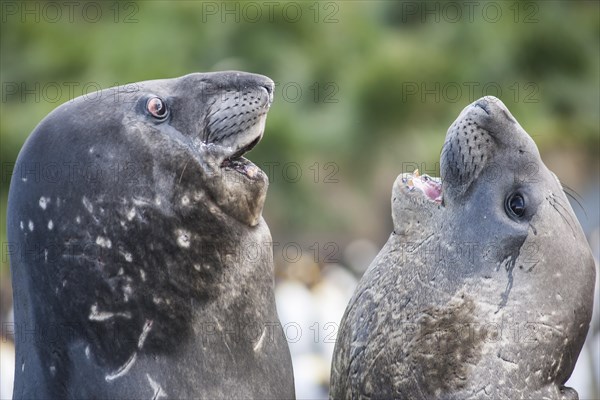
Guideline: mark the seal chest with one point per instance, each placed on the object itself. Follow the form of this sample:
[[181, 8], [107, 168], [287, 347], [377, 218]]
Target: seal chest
[[466, 299], [131, 266]]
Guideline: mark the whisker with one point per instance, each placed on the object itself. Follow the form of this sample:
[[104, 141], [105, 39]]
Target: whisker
[[575, 196], [182, 171], [557, 202]]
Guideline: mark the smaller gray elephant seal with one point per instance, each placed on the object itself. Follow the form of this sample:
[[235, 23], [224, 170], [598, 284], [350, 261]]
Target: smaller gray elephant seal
[[142, 267], [485, 288]]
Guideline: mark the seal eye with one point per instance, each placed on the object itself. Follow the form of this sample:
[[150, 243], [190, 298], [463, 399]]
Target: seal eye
[[157, 107], [515, 205]]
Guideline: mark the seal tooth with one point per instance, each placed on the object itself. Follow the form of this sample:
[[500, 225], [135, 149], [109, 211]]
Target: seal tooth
[[251, 171]]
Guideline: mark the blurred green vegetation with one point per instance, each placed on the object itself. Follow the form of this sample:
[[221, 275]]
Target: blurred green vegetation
[[378, 84]]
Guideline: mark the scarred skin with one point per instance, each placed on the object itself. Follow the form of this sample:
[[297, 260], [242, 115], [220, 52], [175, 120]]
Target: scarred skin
[[465, 300], [131, 265]]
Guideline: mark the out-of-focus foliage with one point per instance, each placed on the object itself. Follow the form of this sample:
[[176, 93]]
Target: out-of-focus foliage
[[366, 86]]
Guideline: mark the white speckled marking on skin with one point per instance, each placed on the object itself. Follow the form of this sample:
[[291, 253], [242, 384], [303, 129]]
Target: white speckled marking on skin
[[21, 225], [185, 201], [87, 352], [44, 202], [127, 291], [131, 214], [53, 370], [45, 255], [24, 179], [183, 238], [22, 367], [103, 242], [77, 219], [141, 202], [50, 225], [143, 275], [127, 255], [30, 225], [158, 390], [86, 203]]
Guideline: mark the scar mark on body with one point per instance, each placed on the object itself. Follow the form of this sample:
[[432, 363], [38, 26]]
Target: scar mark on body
[[144, 334], [96, 315], [158, 390], [258, 345], [123, 370]]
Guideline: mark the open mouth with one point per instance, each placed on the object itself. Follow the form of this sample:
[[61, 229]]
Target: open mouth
[[240, 164], [235, 125], [429, 186]]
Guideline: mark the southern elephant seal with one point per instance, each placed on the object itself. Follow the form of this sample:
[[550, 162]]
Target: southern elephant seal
[[132, 221], [484, 290]]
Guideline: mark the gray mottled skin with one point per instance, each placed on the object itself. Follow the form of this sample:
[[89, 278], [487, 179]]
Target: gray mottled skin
[[464, 301], [142, 267]]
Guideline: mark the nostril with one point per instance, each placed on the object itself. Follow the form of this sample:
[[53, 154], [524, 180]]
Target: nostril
[[483, 104], [269, 88]]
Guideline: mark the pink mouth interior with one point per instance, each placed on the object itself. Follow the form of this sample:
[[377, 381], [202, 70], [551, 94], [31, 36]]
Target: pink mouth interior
[[431, 188]]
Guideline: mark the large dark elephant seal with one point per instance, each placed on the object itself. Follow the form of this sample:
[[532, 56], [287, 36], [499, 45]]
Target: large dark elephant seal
[[142, 267], [484, 290]]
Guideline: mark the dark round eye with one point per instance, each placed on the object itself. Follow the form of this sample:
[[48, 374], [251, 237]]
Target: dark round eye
[[157, 108], [515, 205]]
